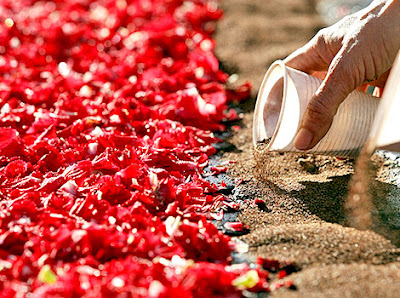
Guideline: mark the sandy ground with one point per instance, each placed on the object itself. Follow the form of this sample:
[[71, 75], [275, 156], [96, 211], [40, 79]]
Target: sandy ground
[[305, 219]]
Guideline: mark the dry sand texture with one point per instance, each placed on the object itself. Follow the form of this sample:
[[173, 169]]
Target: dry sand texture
[[305, 219]]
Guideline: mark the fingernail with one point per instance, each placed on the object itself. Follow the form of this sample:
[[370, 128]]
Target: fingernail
[[303, 139]]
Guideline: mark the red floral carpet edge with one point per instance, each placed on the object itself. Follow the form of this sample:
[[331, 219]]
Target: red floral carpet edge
[[106, 113]]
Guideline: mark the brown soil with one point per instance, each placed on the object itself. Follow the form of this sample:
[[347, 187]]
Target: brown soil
[[305, 219]]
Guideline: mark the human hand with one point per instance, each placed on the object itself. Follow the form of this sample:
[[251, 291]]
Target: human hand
[[358, 49]]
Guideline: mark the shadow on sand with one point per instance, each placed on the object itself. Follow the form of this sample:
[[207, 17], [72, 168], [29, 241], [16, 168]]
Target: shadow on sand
[[327, 201]]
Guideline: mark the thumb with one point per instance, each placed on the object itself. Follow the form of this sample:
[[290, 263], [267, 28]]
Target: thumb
[[317, 119]]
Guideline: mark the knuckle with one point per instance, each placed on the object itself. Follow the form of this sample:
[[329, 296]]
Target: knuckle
[[319, 111], [344, 75]]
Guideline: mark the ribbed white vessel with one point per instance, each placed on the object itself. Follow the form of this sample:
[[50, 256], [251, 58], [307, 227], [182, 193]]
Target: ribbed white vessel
[[282, 101]]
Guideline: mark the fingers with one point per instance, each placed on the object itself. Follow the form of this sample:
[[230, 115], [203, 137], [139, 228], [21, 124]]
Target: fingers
[[308, 58], [318, 117]]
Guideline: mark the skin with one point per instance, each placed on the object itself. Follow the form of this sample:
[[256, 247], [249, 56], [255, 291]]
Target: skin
[[359, 49]]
